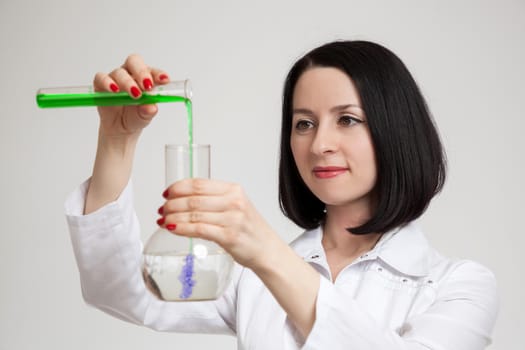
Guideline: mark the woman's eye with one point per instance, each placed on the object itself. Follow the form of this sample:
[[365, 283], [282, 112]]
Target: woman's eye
[[303, 125], [348, 120]]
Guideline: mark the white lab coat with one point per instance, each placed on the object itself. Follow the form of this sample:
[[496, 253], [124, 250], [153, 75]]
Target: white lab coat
[[400, 295]]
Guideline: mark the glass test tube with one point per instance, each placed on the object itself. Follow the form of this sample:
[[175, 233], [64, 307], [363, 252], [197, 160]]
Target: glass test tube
[[85, 96]]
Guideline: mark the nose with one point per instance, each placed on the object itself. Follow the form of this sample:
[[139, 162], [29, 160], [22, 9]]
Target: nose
[[325, 140]]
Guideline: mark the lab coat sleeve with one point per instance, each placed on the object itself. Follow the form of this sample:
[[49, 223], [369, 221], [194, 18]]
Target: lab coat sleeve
[[108, 251], [461, 317]]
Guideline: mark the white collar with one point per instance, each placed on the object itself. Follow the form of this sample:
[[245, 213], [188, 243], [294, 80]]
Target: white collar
[[405, 249]]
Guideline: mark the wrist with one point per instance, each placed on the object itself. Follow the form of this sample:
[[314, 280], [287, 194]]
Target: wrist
[[270, 260], [111, 170], [120, 145]]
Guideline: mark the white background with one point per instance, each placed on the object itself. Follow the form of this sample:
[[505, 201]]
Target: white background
[[467, 56]]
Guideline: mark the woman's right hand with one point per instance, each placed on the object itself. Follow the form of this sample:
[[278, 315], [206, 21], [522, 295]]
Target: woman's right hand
[[119, 130], [134, 77]]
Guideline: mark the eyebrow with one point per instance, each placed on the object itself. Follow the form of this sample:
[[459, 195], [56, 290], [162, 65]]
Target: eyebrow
[[333, 109]]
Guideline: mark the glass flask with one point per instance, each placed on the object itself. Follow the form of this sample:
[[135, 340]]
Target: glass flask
[[177, 268]]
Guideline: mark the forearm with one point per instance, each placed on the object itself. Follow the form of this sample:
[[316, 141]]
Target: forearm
[[111, 171], [293, 283]]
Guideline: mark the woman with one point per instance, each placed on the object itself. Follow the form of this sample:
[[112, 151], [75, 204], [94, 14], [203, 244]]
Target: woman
[[360, 161]]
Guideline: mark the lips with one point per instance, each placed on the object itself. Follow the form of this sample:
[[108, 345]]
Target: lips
[[328, 171]]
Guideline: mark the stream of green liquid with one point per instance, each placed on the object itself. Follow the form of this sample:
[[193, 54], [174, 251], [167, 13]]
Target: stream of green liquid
[[189, 111]]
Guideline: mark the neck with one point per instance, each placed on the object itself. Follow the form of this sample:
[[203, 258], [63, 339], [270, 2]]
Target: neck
[[336, 237]]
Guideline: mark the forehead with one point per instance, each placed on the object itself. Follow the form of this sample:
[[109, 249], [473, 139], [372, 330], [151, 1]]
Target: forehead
[[319, 86]]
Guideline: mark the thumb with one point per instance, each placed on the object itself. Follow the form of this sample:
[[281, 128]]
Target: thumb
[[147, 112], [138, 117]]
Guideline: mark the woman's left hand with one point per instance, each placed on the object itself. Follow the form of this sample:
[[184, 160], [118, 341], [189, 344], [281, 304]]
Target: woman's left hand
[[220, 212]]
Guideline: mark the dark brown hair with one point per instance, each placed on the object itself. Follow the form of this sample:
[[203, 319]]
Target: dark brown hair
[[411, 163]]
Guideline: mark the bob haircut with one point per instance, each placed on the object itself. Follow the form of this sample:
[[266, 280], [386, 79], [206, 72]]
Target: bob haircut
[[411, 164]]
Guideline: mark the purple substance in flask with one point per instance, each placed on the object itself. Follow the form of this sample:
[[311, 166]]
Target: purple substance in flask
[[185, 277]]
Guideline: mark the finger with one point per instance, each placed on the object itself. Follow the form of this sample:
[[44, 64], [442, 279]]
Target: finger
[[103, 82], [198, 187], [139, 71], [217, 203], [159, 76], [221, 219], [126, 82], [199, 230]]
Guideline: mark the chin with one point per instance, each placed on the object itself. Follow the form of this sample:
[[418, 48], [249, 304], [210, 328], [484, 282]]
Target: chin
[[348, 200]]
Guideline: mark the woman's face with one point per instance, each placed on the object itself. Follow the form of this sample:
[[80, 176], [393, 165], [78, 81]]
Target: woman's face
[[330, 139]]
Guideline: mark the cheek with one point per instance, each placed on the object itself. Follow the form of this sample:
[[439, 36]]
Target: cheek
[[371, 169], [300, 156], [364, 154], [370, 172], [297, 152]]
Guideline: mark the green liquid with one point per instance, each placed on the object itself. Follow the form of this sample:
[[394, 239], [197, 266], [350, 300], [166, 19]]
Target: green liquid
[[189, 111], [105, 99]]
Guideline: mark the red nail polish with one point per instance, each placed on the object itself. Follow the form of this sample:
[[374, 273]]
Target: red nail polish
[[161, 210], [114, 87], [165, 194], [148, 85], [171, 227], [163, 77], [160, 221], [135, 92]]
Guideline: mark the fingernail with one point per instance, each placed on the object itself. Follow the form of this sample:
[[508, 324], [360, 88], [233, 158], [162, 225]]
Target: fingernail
[[147, 84], [161, 210], [114, 87], [160, 221], [135, 92], [165, 194], [171, 227], [163, 77]]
